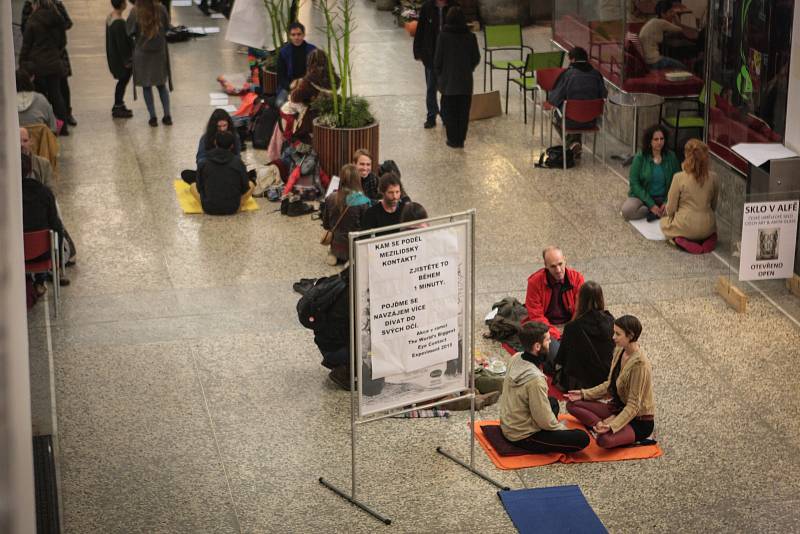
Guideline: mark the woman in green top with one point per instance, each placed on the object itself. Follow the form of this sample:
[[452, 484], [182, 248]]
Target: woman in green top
[[650, 177]]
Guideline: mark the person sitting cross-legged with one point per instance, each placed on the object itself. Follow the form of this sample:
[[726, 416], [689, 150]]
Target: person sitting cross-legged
[[650, 177], [222, 186], [528, 418]]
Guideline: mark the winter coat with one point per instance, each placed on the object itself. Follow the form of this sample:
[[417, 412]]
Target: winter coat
[[427, 33], [119, 48], [43, 43], [524, 407], [356, 204], [537, 298], [150, 56], [33, 108], [221, 182], [27, 10], [39, 211], [579, 82], [642, 172], [690, 207], [586, 350], [457, 55], [334, 333]]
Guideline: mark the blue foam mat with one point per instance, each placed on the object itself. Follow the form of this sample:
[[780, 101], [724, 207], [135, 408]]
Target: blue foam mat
[[561, 509]]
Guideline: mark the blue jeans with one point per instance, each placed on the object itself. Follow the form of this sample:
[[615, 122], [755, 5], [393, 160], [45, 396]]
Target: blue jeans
[[666, 63], [163, 94], [431, 98]]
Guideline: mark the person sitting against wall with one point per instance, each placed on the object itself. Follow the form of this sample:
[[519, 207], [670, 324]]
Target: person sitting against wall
[[343, 213], [651, 36], [690, 221], [32, 107], [222, 186], [650, 177], [551, 295], [584, 357], [528, 417], [628, 415]]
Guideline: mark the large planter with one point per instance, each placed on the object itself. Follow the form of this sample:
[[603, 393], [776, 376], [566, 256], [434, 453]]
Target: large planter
[[504, 12], [411, 27], [268, 81], [335, 146]]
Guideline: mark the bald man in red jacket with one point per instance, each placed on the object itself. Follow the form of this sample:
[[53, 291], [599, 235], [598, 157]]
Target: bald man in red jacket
[[555, 279]]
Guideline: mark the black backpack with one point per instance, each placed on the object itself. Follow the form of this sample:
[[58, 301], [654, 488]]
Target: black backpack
[[553, 158], [293, 206], [313, 306], [179, 34], [262, 124]]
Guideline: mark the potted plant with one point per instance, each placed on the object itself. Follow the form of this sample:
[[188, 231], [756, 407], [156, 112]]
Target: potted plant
[[280, 14], [407, 14], [344, 122]]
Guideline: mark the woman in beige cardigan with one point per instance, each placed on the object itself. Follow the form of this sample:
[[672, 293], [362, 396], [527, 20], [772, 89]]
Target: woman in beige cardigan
[[692, 199], [627, 416]]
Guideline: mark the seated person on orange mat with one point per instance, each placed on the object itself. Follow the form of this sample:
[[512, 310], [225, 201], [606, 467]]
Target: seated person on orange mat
[[552, 292], [527, 416], [222, 186], [628, 416]]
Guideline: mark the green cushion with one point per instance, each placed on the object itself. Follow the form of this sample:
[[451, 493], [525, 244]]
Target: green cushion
[[505, 64], [686, 122], [529, 83]]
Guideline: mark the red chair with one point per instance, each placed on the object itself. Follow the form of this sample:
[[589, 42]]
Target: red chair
[[546, 80], [38, 244], [581, 111]]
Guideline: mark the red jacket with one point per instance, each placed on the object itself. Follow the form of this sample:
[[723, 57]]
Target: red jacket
[[537, 299]]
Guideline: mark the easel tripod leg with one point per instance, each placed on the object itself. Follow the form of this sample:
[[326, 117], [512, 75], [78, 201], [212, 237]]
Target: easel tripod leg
[[370, 511]]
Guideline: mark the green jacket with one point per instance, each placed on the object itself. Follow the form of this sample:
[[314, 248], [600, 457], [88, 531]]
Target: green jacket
[[642, 172]]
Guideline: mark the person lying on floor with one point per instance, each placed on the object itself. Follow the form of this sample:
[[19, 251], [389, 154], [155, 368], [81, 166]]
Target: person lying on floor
[[528, 417], [628, 416], [219, 121], [222, 185]]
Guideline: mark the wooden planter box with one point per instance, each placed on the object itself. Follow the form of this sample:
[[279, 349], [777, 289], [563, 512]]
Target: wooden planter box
[[268, 81], [335, 146]]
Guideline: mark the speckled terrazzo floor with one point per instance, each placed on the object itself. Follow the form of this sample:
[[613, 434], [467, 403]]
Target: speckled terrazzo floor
[[190, 399]]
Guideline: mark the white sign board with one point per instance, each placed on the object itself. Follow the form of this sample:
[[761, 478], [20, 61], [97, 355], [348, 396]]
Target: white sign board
[[769, 236], [411, 304]]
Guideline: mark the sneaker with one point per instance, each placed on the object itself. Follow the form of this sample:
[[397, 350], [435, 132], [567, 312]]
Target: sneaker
[[167, 120], [121, 113], [331, 260], [341, 377], [153, 122], [63, 282], [71, 120], [430, 124]]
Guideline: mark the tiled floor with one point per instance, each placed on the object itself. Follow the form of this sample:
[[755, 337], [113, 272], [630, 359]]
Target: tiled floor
[[191, 400]]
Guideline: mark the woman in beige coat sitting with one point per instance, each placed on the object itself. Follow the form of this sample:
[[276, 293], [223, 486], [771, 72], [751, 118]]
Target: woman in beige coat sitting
[[690, 222], [626, 416]]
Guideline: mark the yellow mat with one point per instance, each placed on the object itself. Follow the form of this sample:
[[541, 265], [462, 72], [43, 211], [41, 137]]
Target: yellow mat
[[190, 205]]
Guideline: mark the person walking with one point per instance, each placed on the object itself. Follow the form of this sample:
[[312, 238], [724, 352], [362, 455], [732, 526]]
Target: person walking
[[431, 20], [147, 23], [119, 53], [457, 55]]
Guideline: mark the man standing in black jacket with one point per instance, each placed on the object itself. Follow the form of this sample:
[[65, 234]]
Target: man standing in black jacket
[[222, 186], [431, 20]]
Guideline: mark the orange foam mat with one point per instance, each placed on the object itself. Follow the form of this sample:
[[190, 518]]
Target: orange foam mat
[[592, 453]]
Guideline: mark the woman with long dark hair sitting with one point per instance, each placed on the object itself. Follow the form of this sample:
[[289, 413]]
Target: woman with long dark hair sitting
[[584, 357], [219, 121]]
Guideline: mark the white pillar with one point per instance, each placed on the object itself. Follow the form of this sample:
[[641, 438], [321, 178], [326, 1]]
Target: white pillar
[[17, 506]]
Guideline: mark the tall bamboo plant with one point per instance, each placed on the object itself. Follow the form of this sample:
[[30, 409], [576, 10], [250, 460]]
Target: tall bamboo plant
[[343, 109], [281, 13]]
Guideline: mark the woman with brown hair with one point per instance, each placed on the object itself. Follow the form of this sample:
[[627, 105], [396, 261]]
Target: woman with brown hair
[[584, 355], [343, 213], [147, 24], [689, 221]]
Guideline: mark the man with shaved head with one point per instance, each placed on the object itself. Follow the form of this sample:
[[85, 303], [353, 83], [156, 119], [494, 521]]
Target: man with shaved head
[[552, 293]]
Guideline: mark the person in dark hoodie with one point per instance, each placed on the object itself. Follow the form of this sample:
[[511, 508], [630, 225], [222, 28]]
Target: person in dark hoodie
[[431, 20], [584, 357], [528, 418], [579, 82], [43, 43], [222, 186], [457, 55]]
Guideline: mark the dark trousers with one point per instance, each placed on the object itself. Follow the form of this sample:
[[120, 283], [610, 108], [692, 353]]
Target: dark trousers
[[456, 109], [546, 441], [50, 87], [589, 413], [119, 90], [66, 94], [431, 96]]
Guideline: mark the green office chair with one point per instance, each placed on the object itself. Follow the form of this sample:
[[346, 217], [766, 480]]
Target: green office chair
[[691, 118], [527, 79], [506, 37]]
